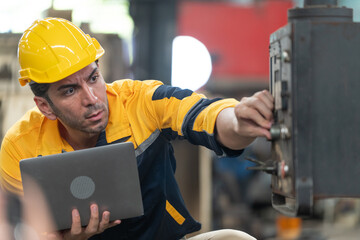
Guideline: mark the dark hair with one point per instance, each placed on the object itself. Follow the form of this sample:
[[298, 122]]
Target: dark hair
[[39, 89]]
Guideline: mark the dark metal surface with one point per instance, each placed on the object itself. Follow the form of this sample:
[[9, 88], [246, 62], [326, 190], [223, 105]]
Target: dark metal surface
[[314, 79], [155, 26], [320, 2], [326, 14]]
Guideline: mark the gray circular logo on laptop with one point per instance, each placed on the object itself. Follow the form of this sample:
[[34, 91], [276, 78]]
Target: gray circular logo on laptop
[[82, 187]]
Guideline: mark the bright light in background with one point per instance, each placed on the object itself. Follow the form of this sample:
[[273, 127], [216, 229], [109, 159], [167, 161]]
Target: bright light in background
[[16, 16], [191, 63], [110, 16], [104, 16]]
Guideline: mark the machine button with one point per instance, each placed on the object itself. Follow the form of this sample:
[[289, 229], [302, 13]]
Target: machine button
[[279, 132]]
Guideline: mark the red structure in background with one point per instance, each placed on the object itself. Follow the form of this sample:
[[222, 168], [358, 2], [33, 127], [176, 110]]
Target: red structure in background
[[237, 36]]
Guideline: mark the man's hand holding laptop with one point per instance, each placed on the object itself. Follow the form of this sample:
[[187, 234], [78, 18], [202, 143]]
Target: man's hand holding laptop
[[96, 225]]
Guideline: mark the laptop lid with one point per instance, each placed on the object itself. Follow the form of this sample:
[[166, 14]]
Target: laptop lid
[[106, 175]]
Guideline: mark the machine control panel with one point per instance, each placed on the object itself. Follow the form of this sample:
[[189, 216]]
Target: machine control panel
[[281, 132], [314, 71]]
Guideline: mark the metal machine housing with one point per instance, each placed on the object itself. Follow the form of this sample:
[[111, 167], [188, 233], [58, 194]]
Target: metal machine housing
[[315, 80]]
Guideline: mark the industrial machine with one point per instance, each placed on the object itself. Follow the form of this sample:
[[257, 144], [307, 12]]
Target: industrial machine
[[314, 78]]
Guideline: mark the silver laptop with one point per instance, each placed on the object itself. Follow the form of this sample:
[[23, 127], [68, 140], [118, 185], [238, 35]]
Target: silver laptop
[[105, 175]]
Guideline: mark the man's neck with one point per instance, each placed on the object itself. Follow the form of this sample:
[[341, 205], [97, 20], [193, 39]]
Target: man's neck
[[77, 139]]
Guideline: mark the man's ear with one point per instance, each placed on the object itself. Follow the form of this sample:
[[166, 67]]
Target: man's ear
[[45, 107]]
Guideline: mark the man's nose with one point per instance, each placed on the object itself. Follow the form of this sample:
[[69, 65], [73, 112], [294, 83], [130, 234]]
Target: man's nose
[[89, 97]]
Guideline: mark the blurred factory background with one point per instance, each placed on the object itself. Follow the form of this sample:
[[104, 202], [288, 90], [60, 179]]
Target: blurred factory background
[[226, 54]]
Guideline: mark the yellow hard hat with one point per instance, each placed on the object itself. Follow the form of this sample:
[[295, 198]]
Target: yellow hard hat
[[54, 48]]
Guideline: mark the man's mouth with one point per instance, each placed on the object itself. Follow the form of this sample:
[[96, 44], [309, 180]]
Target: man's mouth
[[95, 116]]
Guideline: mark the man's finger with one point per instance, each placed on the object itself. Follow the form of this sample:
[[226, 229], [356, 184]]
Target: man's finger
[[110, 225], [104, 221], [260, 102], [114, 223], [267, 98], [268, 95], [245, 112], [93, 225], [262, 108], [250, 129], [76, 223], [262, 132]]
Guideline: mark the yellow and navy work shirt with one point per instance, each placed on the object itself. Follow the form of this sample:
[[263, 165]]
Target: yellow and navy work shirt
[[149, 115]]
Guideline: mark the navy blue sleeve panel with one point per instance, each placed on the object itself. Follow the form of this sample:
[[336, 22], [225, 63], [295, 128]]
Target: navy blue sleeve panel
[[165, 91], [204, 138], [182, 113], [170, 105], [232, 153], [227, 151]]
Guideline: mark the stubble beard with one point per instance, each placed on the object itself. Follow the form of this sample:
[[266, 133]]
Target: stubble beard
[[78, 124]]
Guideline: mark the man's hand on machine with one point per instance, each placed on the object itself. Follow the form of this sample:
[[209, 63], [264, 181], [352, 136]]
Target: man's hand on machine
[[252, 117]]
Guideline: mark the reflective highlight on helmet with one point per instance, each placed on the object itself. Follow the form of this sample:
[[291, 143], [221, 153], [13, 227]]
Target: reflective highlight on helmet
[[54, 48]]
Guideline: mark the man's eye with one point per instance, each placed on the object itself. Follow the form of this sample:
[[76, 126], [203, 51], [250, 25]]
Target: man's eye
[[94, 78], [69, 91]]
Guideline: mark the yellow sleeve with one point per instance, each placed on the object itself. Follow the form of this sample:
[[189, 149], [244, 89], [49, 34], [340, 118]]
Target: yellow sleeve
[[10, 177]]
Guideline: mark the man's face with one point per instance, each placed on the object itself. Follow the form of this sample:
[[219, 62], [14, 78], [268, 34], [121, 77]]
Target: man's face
[[79, 101]]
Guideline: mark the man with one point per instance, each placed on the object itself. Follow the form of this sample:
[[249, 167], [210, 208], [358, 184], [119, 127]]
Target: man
[[77, 110]]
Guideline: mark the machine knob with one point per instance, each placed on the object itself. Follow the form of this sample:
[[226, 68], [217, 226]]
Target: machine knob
[[279, 132], [283, 169], [279, 169], [285, 55]]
